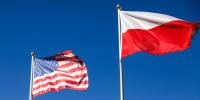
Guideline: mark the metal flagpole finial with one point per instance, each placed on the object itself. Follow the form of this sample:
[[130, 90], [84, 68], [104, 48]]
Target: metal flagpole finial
[[119, 6], [33, 53]]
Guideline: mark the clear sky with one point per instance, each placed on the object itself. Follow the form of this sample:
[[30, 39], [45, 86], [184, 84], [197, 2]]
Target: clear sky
[[90, 29]]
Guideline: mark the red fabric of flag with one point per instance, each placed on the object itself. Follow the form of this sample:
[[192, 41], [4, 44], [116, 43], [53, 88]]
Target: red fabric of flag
[[154, 33]]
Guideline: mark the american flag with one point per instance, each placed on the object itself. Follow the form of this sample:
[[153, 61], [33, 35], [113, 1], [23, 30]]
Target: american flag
[[64, 70]]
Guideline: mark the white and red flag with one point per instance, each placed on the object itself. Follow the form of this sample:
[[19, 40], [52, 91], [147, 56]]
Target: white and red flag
[[64, 70], [154, 33]]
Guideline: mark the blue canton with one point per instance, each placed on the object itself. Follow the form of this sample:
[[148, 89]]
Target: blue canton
[[45, 66]]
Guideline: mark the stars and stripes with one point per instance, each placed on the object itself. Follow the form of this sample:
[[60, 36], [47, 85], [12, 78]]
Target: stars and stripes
[[64, 70]]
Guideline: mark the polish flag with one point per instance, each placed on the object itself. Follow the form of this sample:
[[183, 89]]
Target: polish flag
[[154, 33]]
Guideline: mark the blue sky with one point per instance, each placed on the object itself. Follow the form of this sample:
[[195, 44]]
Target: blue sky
[[90, 29]]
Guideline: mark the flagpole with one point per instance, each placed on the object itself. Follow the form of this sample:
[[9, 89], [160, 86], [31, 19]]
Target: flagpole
[[32, 73], [120, 48]]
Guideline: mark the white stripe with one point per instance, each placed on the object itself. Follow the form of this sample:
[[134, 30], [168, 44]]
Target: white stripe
[[60, 78], [65, 56], [58, 85], [142, 20], [58, 72]]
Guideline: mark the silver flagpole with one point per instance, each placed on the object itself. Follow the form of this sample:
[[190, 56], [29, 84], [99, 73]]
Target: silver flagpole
[[32, 73], [120, 48]]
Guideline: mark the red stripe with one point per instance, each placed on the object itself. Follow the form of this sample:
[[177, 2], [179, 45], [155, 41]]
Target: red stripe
[[66, 58], [59, 81], [166, 38], [59, 75], [70, 63], [73, 70], [63, 53], [56, 90]]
